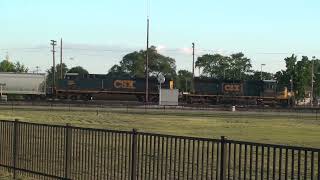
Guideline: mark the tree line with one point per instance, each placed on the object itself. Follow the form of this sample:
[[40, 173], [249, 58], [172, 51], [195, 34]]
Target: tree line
[[8, 66], [234, 67], [298, 74]]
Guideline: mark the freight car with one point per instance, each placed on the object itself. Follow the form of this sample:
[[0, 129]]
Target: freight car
[[213, 91], [100, 86], [23, 85]]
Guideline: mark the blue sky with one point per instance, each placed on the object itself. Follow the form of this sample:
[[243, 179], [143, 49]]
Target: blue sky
[[98, 33]]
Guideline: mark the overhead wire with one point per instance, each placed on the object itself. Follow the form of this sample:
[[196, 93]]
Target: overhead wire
[[128, 50]]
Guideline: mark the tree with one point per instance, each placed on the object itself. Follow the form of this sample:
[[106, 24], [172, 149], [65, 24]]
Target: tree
[[8, 66], [57, 73], [78, 69], [20, 67], [161, 64], [300, 74], [256, 75], [317, 77], [291, 64], [133, 64], [285, 76], [217, 66], [239, 65], [303, 77], [213, 65], [283, 79], [183, 80], [116, 71]]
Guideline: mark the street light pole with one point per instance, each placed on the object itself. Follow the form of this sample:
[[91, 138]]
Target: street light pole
[[261, 71]]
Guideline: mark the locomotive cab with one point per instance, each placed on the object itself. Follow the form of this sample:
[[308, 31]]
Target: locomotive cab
[[71, 76], [269, 88]]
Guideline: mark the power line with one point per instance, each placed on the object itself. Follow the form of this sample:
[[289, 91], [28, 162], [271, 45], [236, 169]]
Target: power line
[[66, 48], [24, 48], [101, 50], [166, 50]]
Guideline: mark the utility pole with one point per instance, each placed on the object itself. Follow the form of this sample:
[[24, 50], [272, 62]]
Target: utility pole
[[147, 63], [312, 77], [53, 44], [186, 84], [37, 69], [61, 75], [192, 67], [261, 71], [291, 84]]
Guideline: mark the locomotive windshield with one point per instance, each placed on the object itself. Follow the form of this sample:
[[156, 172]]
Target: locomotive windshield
[[270, 84], [269, 88]]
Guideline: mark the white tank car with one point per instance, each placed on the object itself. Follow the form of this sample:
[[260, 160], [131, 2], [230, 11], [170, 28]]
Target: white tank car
[[23, 83]]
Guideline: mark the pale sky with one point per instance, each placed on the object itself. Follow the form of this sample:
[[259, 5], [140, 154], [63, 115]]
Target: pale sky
[[98, 33]]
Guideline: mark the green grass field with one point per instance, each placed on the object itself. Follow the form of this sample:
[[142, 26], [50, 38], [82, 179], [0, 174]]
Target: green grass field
[[276, 128]]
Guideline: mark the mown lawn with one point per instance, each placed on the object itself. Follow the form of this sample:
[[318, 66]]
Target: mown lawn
[[286, 128]]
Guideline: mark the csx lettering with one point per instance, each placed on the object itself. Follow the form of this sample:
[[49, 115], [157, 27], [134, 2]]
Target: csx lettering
[[232, 87], [126, 84]]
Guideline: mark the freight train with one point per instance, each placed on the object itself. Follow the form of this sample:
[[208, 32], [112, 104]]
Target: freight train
[[99, 86], [261, 92]]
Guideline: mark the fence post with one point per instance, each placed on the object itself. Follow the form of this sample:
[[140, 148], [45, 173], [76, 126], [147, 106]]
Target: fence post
[[68, 151], [134, 155], [223, 158], [15, 146]]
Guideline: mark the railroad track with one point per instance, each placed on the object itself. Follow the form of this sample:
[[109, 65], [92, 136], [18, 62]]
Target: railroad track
[[139, 105]]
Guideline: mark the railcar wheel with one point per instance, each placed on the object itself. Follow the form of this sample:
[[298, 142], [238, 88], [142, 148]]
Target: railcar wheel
[[141, 98], [154, 99]]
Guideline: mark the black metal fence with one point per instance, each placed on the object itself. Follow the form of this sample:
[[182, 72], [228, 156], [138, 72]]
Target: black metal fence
[[46, 151]]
